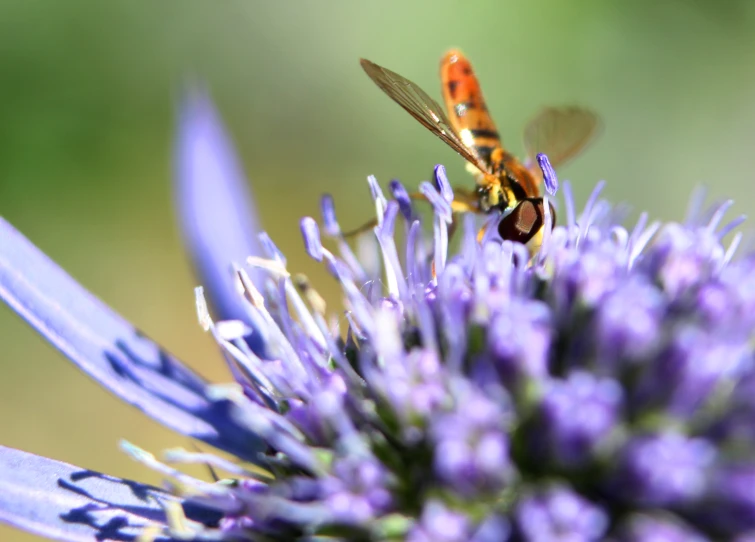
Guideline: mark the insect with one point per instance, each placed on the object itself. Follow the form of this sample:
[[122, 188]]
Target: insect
[[503, 183]]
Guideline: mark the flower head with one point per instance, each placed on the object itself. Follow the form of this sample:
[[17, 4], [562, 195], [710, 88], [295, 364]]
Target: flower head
[[598, 389]]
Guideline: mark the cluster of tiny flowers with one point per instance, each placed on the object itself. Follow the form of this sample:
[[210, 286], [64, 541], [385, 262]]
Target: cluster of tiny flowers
[[600, 389]]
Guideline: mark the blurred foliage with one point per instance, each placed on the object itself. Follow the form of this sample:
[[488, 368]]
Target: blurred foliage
[[86, 118]]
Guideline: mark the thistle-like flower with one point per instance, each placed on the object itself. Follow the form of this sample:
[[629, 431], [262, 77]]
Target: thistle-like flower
[[600, 389]]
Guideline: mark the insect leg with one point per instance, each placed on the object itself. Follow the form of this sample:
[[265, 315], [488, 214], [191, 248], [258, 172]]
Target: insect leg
[[481, 232], [457, 206], [368, 226]]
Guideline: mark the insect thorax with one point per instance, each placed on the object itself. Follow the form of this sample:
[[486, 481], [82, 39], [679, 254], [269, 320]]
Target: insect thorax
[[498, 193], [492, 196]]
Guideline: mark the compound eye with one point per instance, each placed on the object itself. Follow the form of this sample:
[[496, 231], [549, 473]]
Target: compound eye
[[525, 221]]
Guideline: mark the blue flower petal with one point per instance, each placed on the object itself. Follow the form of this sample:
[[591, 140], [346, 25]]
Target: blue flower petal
[[111, 350], [64, 502], [216, 211]]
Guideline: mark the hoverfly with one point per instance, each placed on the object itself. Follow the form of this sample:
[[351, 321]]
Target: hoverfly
[[503, 183]]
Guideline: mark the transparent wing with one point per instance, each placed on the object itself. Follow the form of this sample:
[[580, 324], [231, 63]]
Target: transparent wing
[[561, 133], [422, 107]]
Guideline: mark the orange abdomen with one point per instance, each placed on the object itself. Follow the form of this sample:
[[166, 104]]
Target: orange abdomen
[[465, 104]]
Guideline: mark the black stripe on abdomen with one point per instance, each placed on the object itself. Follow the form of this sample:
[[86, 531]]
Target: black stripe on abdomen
[[485, 151], [480, 132]]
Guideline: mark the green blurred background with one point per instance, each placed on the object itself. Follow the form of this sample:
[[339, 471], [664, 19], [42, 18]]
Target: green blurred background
[[87, 101]]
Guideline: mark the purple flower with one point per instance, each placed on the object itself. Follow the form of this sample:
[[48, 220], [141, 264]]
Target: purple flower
[[559, 514], [662, 527], [599, 389], [577, 414], [437, 523], [666, 469], [470, 445]]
